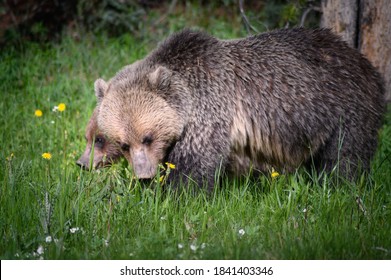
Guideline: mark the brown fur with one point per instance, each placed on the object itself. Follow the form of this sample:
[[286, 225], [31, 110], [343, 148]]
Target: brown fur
[[104, 151], [278, 99]]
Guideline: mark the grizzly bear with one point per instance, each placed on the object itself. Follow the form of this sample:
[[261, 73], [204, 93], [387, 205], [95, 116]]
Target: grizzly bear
[[100, 151], [279, 100]]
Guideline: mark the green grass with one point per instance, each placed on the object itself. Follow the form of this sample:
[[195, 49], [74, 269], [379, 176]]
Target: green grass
[[289, 217]]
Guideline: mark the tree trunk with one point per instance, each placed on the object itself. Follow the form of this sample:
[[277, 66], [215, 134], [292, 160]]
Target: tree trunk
[[375, 37], [341, 17], [365, 25]]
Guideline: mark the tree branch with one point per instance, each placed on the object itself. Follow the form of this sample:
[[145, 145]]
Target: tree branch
[[245, 19]]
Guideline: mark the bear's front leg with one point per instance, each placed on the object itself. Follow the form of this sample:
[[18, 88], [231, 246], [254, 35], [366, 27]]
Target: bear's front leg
[[198, 161]]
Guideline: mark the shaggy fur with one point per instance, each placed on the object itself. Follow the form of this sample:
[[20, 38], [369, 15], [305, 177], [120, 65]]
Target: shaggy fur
[[277, 99], [104, 151]]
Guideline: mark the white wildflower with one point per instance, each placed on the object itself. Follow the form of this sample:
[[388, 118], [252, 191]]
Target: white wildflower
[[193, 247], [48, 239], [241, 232], [40, 250], [180, 246], [74, 230]]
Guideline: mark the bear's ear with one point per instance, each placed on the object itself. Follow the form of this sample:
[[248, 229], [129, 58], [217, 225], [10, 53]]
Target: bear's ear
[[160, 78], [100, 88]]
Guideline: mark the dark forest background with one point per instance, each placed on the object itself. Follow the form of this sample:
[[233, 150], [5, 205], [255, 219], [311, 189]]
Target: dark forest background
[[45, 20]]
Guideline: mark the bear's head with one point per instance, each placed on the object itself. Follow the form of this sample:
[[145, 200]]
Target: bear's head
[[141, 111]]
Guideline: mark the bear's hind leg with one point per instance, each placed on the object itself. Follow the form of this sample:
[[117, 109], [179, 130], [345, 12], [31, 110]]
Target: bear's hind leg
[[346, 153]]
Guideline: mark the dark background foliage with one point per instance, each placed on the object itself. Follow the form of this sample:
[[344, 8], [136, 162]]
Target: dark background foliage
[[47, 20]]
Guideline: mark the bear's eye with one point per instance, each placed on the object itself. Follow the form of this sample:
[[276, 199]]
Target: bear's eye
[[100, 141], [147, 140], [125, 147]]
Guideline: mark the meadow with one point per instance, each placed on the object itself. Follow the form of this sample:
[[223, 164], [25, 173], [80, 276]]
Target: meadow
[[51, 209]]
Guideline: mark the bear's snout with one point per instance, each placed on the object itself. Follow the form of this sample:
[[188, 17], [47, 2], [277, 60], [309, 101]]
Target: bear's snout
[[142, 166]]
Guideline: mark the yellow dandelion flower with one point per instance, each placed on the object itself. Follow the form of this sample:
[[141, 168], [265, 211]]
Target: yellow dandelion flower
[[10, 157], [274, 173], [38, 113], [62, 107], [161, 178], [170, 165], [47, 156]]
